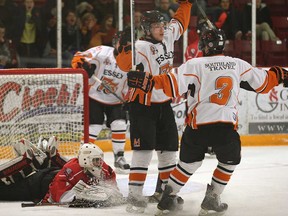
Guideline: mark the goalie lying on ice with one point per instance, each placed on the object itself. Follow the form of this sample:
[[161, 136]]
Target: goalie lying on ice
[[86, 181]]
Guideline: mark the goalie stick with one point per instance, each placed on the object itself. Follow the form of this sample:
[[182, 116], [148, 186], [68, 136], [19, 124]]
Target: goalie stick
[[75, 204]]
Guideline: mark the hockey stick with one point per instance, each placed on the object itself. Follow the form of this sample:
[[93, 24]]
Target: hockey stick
[[24, 205], [178, 104], [211, 26], [132, 34], [108, 88]]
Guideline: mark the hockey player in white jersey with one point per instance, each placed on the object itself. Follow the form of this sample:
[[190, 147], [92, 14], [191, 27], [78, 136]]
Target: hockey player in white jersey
[[152, 122], [108, 88], [213, 83]]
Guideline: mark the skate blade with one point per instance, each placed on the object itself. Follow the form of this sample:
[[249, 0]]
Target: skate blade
[[168, 212], [122, 171], [162, 212], [134, 209], [204, 212]]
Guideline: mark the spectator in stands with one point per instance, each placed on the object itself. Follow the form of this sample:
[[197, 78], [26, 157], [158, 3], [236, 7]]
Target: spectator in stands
[[137, 21], [29, 30], [50, 51], [167, 9], [71, 37], [102, 8], [105, 33], [8, 55], [225, 17], [89, 27], [263, 22], [83, 8]]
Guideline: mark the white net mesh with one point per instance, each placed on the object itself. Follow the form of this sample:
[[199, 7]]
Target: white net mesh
[[36, 102]]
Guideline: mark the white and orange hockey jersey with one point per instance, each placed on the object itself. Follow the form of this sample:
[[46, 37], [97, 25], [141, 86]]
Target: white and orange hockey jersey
[[213, 85], [158, 58], [107, 71]]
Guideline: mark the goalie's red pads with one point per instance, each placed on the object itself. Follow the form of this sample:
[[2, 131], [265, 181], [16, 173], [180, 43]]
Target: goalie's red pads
[[141, 80], [20, 167]]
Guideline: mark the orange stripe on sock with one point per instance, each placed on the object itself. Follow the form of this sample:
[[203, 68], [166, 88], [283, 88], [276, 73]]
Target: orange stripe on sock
[[165, 175], [118, 136], [137, 176], [220, 175], [178, 175]]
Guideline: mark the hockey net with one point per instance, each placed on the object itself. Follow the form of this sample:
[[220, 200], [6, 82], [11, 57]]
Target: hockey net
[[35, 102]]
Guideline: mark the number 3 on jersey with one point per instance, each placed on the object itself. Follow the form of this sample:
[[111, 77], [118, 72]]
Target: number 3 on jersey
[[224, 85]]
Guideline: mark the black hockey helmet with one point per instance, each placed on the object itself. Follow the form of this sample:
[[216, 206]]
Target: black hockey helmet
[[150, 17], [212, 42]]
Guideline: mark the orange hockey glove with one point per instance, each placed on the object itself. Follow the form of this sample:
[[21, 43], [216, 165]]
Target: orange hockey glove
[[141, 80], [282, 75], [124, 58]]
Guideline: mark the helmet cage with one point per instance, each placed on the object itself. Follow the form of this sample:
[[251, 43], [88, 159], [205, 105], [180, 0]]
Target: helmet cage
[[90, 156]]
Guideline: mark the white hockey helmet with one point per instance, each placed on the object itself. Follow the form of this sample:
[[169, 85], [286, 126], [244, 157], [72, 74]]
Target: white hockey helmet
[[91, 157]]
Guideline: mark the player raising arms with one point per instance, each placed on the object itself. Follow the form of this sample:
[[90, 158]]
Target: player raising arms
[[100, 64], [213, 84], [152, 123]]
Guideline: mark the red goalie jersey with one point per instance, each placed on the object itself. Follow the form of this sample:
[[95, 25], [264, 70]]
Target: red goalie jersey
[[68, 177]]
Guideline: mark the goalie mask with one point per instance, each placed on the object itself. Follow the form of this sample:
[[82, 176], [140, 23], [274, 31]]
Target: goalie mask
[[90, 157], [212, 42]]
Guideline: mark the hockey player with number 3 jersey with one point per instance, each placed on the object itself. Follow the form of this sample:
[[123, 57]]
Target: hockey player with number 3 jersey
[[213, 83]]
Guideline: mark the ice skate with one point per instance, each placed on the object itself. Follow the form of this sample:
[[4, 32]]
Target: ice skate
[[169, 203], [136, 205], [211, 204], [155, 198], [120, 164]]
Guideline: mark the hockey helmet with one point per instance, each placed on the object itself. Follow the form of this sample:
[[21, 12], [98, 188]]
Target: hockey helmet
[[150, 17], [90, 157], [212, 42]]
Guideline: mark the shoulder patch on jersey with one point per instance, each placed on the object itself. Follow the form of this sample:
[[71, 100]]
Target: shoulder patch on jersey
[[153, 50]]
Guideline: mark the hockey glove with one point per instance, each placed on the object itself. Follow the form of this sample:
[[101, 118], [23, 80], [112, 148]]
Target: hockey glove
[[124, 58], [141, 80], [282, 75], [89, 68]]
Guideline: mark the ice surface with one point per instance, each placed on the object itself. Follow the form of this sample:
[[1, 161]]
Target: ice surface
[[258, 187]]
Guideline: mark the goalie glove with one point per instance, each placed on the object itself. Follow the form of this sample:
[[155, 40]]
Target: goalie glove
[[141, 80], [282, 75], [101, 195]]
